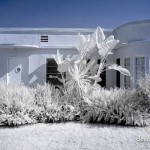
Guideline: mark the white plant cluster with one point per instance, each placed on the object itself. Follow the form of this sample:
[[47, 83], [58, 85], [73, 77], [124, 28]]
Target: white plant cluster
[[77, 65]]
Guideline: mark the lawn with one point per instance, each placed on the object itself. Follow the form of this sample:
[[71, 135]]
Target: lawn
[[74, 136]]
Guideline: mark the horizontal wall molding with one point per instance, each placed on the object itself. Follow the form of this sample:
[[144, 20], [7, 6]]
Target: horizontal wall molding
[[50, 30], [120, 45]]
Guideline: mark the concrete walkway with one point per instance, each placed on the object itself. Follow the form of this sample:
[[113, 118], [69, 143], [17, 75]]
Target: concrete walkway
[[74, 136]]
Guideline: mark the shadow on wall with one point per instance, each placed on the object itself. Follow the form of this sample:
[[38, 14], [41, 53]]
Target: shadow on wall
[[38, 76]]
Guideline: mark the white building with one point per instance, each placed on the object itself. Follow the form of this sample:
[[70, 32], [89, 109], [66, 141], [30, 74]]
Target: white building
[[26, 53]]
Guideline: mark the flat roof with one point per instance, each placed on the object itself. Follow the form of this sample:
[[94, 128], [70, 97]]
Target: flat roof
[[49, 30]]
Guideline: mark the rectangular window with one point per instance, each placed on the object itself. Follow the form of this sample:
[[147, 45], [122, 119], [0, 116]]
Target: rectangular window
[[52, 71], [127, 78], [139, 67]]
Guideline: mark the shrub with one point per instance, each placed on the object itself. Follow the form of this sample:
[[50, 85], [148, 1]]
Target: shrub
[[16, 102], [143, 93], [115, 106], [50, 106], [21, 105], [57, 114]]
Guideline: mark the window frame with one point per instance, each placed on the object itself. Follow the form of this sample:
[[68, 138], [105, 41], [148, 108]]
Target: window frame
[[57, 73], [135, 65], [127, 85]]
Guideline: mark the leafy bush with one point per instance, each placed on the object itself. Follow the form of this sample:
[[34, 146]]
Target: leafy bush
[[49, 105], [21, 105], [143, 93], [57, 114], [117, 106], [16, 102]]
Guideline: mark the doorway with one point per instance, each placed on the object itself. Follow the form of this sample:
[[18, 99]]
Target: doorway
[[102, 75], [118, 74], [52, 71], [17, 70]]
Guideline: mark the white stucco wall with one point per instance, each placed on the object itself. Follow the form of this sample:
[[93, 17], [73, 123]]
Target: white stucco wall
[[65, 40], [32, 39], [37, 62], [60, 41], [134, 41]]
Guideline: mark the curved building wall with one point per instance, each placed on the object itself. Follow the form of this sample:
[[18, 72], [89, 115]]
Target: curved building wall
[[134, 42], [136, 31]]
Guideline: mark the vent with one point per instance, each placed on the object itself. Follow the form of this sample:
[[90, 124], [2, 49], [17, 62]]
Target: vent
[[44, 38]]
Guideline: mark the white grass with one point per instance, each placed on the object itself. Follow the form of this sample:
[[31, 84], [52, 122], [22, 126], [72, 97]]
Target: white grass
[[73, 136]]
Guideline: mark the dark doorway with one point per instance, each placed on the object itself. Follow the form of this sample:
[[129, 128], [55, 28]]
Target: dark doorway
[[118, 74], [52, 71], [103, 75]]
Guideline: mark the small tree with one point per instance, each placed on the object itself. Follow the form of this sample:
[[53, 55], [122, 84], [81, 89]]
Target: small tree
[[82, 73]]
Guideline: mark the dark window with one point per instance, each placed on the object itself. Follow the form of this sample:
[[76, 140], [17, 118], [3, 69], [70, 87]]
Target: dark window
[[44, 38], [139, 67], [118, 74], [102, 75], [52, 71]]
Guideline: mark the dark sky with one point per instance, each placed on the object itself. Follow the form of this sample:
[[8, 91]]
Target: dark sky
[[72, 13]]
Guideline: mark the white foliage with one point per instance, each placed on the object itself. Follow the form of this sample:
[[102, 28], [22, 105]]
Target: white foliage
[[120, 69], [63, 64], [100, 36], [77, 66], [105, 46], [96, 78]]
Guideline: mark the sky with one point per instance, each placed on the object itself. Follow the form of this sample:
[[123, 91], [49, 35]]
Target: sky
[[72, 13]]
